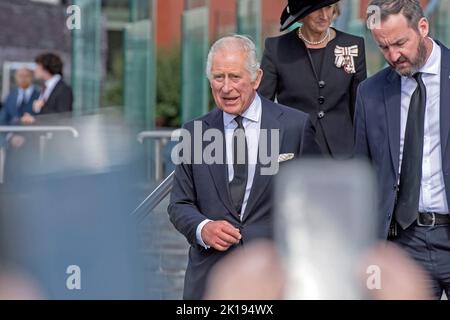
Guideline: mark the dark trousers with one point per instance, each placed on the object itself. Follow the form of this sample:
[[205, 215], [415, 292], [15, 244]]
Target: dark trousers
[[430, 247]]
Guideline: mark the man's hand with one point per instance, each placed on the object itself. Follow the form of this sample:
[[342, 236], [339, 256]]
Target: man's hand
[[17, 141], [38, 105], [220, 235], [27, 119]]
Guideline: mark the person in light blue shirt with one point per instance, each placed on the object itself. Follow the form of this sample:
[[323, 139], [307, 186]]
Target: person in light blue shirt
[[20, 100], [18, 106]]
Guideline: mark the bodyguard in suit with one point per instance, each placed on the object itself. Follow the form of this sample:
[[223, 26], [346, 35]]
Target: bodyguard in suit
[[316, 68], [222, 206], [402, 125], [20, 100], [56, 95]]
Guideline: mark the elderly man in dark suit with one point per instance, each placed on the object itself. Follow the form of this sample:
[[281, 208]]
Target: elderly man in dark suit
[[20, 100], [18, 106], [222, 205], [402, 126]]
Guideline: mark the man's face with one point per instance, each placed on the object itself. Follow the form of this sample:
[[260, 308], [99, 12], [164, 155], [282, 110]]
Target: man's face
[[404, 48], [231, 84], [40, 73], [24, 78]]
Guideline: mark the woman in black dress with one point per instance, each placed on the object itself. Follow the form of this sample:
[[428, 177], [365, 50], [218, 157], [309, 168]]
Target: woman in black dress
[[316, 68]]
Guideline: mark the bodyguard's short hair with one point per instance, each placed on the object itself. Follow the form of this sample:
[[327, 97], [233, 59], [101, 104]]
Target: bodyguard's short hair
[[410, 9], [237, 42], [50, 62]]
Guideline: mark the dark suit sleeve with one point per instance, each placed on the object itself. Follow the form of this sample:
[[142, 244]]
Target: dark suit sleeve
[[65, 101], [360, 76], [309, 145], [5, 115], [361, 148], [269, 82], [183, 212]]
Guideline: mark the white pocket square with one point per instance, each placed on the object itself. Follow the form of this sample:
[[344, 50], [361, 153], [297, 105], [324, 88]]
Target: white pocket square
[[285, 157]]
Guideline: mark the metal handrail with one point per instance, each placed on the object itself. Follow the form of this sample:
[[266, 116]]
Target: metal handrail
[[155, 198], [39, 129], [161, 138], [47, 129], [157, 134]]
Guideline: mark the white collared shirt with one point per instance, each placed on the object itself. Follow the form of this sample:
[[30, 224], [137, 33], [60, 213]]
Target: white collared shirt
[[432, 190], [252, 126], [50, 85], [24, 94]]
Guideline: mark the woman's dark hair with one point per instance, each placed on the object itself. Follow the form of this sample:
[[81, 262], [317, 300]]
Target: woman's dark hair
[[51, 63]]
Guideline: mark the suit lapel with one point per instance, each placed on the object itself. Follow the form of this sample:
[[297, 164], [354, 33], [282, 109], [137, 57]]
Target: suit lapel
[[219, 172], [269, 120], [392, 96], [444, 100]]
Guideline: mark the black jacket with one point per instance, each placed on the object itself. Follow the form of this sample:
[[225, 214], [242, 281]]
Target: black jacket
[[289, 77], [60, 100]]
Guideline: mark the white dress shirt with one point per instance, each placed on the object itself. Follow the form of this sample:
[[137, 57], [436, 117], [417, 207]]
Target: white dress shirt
[[252, 126], [50, 84], [24, 94], [432, 190]]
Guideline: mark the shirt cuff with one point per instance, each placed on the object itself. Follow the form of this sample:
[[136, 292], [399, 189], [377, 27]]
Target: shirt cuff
[[198, 234]]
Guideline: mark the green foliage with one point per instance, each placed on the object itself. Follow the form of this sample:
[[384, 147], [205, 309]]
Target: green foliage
[[168, 87], [113, 90]]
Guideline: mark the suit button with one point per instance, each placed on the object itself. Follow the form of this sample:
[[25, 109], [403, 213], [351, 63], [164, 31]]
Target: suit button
[[322, 84], [321, 114], [321, 100]]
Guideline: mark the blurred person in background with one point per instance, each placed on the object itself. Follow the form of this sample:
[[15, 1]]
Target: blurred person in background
[[257, 273], [18, 105], [20, 100], [56, 95], [402, 127], [316, 69]]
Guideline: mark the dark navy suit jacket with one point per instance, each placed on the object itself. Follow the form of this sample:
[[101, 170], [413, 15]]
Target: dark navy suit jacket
[[60, 100], [200, 191], [10, 112], [377, 132]]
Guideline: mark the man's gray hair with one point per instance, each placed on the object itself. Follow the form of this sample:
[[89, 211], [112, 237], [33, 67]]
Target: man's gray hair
[[410, 9], [236, 42]]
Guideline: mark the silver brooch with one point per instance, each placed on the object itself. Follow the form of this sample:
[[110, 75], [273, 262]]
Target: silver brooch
[[345, 58]]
